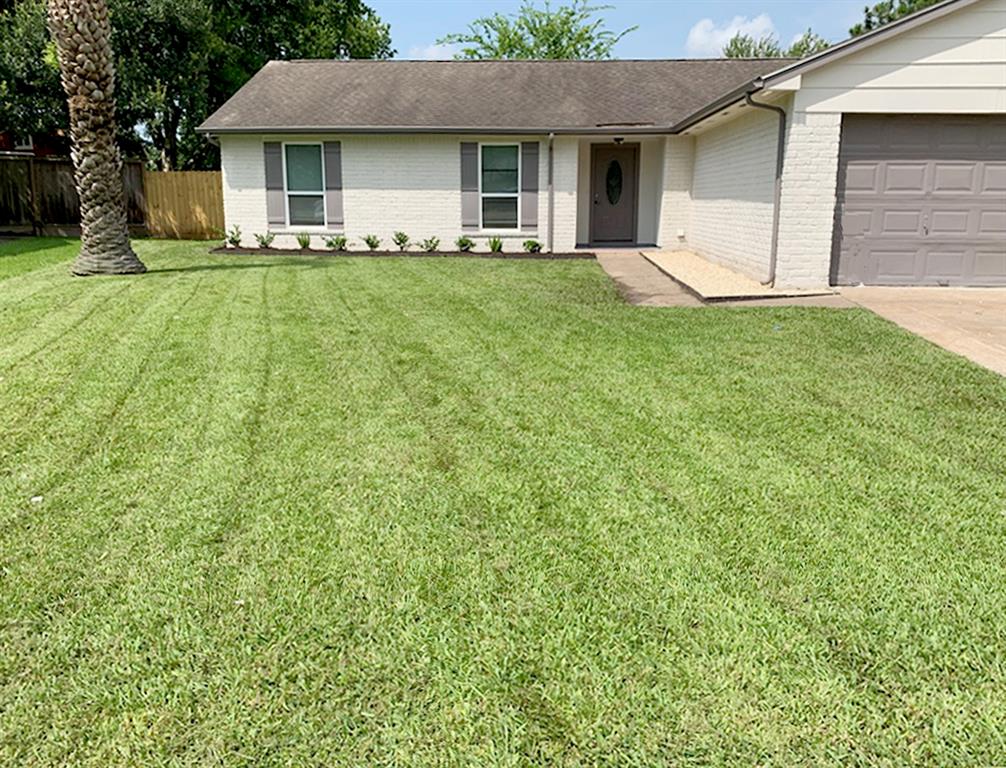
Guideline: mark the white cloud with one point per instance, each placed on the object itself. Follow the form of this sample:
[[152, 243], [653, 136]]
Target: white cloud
[[707, 38], [432, 52]]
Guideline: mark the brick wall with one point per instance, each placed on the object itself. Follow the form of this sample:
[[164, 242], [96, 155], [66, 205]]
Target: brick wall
[[408, 183], [733, 187], [807, 210], [676, 206]]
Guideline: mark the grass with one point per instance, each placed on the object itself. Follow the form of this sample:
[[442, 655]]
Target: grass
[[25, 254], [295, 511]]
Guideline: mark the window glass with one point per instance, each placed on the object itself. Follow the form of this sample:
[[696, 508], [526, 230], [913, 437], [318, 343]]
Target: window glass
[[499, 169], [303, 168], [307, 210], [613, 182], [499, 212]]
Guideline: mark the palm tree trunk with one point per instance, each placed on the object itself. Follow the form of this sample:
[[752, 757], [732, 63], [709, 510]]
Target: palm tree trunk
[[83, 33]]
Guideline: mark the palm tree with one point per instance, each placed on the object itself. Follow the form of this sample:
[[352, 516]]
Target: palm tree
[[83, 33]]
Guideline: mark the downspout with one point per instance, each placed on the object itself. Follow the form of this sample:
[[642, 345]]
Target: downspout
[[551, 194], [779, 159]]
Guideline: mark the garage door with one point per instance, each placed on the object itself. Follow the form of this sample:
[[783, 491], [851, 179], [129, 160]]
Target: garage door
[[921, 201]]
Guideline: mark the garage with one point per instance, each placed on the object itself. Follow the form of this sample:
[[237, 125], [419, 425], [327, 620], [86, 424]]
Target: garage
[[921, 200]]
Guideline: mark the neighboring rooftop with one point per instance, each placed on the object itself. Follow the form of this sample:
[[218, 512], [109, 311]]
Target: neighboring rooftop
[[483, 96]]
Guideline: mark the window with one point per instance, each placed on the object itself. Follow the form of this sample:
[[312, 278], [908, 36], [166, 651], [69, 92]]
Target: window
[[305, 185], [23, 143], [499, 179]]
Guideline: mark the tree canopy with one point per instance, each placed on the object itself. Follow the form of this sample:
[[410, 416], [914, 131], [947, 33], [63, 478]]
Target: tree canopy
[[177, 61], [887, 11], [573, 31], [743, 46]]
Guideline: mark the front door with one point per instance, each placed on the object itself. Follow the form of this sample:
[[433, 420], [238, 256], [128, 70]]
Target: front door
[[613, 193]]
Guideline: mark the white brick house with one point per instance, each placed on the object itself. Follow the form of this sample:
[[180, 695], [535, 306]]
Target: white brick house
[[881, 160]]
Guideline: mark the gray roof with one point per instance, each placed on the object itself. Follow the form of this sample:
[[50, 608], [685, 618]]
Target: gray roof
[[481, 96]]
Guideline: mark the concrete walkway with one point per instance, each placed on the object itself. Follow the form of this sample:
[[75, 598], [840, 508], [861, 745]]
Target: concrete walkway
[[715, 282], [640, 282], [643, 284], [968, 321]]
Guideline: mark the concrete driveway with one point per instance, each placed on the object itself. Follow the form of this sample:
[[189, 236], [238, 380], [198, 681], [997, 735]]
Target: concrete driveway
[[968, 321]]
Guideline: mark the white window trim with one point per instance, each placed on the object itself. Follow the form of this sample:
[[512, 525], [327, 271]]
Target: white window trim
[[303, 193], [498, 230], [23, 143]]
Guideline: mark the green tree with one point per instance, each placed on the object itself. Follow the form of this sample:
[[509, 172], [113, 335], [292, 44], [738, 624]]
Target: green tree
[[567, 32], [747, 47], [887, 11], [176, 61], [31, 99]]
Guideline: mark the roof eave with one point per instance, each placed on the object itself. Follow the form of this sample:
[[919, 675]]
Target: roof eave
[[606, 130]]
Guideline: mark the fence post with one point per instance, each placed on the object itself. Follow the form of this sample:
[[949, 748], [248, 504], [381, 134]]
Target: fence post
[[33, 201]]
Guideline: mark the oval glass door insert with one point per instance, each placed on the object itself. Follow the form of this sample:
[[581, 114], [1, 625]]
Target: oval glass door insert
[[613, 182]]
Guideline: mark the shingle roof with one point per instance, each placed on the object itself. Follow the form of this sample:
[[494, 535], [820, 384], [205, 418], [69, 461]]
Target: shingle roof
[[494, 96]]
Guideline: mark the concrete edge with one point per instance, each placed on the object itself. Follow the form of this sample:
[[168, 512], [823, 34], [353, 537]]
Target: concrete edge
[[715, 298]]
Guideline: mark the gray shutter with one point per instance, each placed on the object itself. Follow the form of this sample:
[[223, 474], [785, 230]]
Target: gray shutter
[[529, 185], [333, 184], [275, 206], [469, 185]]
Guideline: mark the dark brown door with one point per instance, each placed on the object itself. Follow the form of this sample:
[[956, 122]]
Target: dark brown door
[[613, 193], [921, 201]]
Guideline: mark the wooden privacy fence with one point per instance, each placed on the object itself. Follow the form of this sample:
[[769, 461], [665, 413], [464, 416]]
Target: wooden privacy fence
[[37, 196], [184, 204]]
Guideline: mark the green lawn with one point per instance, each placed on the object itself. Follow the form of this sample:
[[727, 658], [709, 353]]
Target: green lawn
[[293, 511]]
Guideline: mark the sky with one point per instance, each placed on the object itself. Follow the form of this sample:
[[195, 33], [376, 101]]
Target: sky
[[667, 28]]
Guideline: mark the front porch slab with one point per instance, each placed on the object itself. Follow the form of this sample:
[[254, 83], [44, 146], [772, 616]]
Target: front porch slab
[[714, 282]]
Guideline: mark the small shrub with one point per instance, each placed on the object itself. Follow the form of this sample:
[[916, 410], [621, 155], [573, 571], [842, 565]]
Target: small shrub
[[336, 242], [430, 244], [401, 240], [496, 244], [265, 241], [464, 243], [233, 237], [303, 240], [532, 246], [373, 242]]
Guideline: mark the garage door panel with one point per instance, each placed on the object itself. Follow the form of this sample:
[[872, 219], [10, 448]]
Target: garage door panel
[[900, 223], [993, 178], [863, 177], [990, 266], [992, 223], [857, 222], [949, 222], [946, 264], [905, 178], [922, 201], [953, 177], [895, 264]]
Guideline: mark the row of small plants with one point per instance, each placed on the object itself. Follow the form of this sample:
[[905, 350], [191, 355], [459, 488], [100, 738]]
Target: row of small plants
[[340, 243]]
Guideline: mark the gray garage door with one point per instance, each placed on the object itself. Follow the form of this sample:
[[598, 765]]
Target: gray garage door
[[921, 201]]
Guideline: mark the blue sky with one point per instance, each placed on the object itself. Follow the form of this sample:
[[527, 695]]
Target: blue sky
[[667, 28]]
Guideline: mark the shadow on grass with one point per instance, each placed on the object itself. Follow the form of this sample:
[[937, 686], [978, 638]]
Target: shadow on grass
[[18, 245]]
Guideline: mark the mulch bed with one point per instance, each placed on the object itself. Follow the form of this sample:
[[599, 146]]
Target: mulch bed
[[385, 254]]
